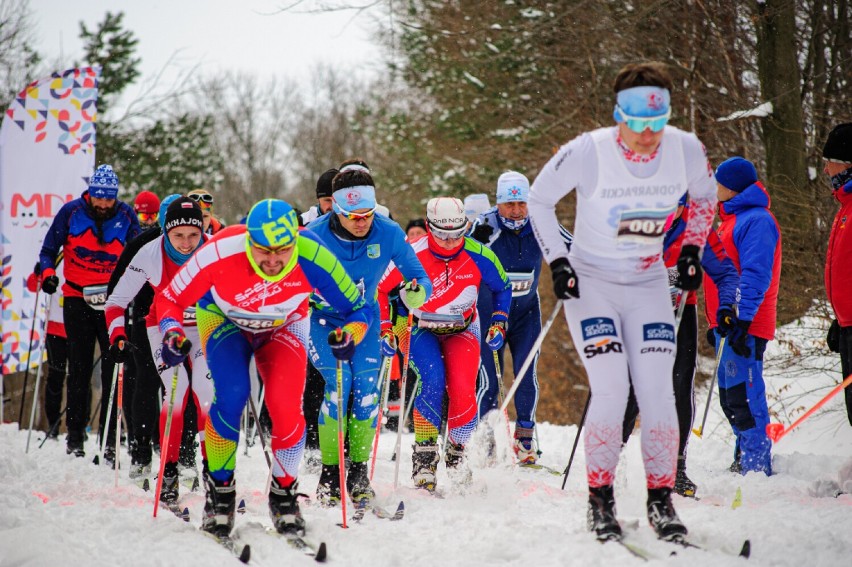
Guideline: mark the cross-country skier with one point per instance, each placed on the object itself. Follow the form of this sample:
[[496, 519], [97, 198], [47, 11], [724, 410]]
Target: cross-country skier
[[722, 271], [506, 231], [155, 263], [250, 285], [91, 232], [445, 341], [628, 179], [365, 244]]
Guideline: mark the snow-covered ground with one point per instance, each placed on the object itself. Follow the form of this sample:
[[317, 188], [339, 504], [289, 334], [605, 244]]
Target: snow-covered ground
[[55, 509]]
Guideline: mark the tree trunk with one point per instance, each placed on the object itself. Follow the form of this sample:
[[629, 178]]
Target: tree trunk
[[783, 134]]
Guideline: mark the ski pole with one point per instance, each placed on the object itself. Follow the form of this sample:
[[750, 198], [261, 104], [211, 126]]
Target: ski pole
[[259, 427], [38, 372], [576, 440], [53, 427], [119, 413], [105, 431], [403, 383], [340, 412], [502, 399], [29, 361], [531, 356], [384, 386], [776, 431], [700, 431], [164, 444]]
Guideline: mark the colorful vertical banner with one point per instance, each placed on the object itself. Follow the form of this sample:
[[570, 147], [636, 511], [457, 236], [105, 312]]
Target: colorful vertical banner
[[47, 152]]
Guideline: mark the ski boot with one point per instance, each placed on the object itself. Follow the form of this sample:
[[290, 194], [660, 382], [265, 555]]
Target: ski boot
[[74, 444], [662, 516], [600, 516], [524, 447], [358, 483], [284, 509], [328, 489], [683, 485], [169, 488], [109, 457], [425, 463], [457, 468], [186, 466], [219, 506]]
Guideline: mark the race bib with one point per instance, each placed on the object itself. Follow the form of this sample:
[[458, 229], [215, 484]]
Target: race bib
[[441, 323], [95, 296], [522, 282], [255, 322], [643, 226]]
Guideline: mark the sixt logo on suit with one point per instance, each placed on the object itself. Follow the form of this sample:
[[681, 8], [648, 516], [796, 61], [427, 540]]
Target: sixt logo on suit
[[659, 332], [598, 327], [602, 347]]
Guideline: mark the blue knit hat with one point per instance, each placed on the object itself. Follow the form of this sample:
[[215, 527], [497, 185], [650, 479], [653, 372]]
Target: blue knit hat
[[104, 183], [736, 174]]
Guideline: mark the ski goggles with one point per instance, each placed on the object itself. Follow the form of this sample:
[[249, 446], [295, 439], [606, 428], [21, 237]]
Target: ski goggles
[[204, 200], [270, 250], [638, 124], [356, 216], [148, 217], [448, 234]]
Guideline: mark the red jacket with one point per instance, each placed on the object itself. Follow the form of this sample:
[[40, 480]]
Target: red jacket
[[838, 260]]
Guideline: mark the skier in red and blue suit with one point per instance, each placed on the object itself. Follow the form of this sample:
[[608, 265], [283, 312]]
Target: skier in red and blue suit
[[250, 284], [91, 231], [445, 339], [752, 239]]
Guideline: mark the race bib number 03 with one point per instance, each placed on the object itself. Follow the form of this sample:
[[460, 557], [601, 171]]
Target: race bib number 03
[[95, 296], [643, 226]]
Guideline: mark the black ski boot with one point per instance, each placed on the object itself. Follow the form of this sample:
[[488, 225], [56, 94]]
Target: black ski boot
[[74, 444], [220, 505], [328, 489], [683, 485], [358, 483], [169, 489], [284, 509], [109, 457], [662, 516], [600, 517], [424, 464]]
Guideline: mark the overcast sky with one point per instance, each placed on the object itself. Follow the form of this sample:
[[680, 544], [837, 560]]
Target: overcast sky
[[217, 34]]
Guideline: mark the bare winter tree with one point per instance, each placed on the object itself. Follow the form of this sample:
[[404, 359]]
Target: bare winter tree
[[19, 60], [253, 123]]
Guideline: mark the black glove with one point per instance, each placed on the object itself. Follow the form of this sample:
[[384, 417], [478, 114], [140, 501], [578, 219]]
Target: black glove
[[565, 284], [711, 338], [726, 319], [50, 283], [737, 338], [689, 268], [833, 338], [119, 350], [341, 343], [482, 232]]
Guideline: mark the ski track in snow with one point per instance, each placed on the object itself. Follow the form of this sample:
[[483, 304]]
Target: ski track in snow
[[56, 509]]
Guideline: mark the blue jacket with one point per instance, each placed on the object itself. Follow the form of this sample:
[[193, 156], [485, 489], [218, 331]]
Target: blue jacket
[[521, 257], [366, 260]]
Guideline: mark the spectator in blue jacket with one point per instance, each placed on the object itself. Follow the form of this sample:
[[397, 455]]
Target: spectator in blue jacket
[[752, 239]]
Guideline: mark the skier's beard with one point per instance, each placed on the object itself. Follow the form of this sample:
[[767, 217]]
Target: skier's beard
[[102, 213]]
